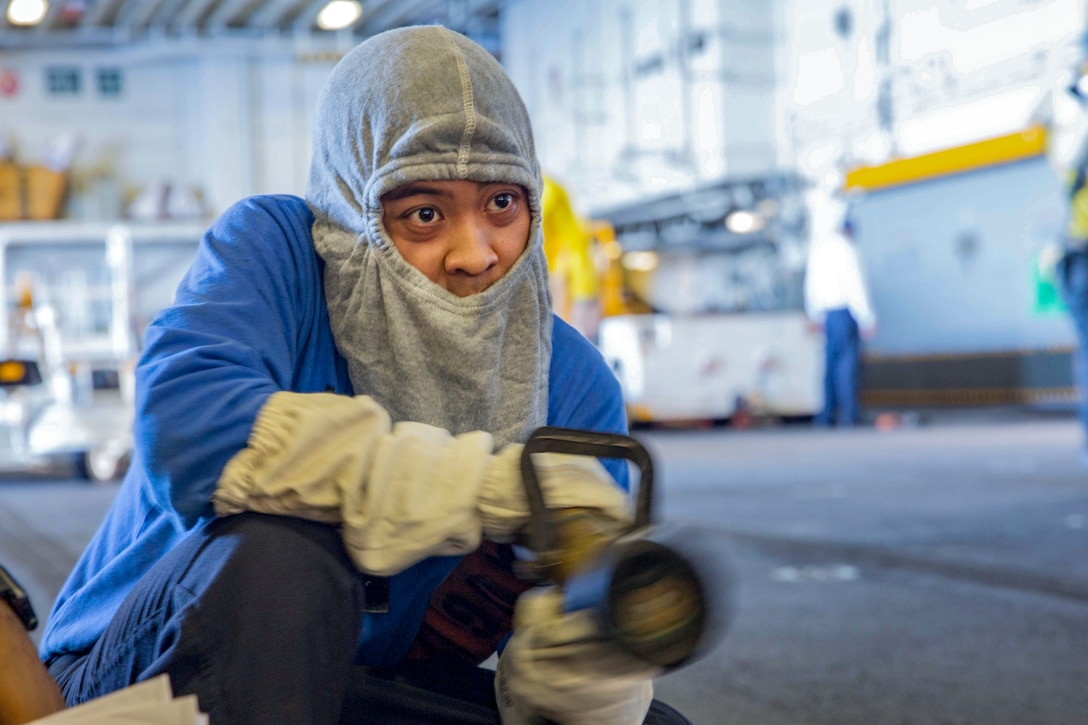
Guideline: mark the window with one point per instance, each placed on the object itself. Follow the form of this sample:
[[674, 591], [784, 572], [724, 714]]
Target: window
[[63, 81], [109, 82]]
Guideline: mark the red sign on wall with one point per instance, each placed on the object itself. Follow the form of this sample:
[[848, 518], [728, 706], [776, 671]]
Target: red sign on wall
[[9, 82]]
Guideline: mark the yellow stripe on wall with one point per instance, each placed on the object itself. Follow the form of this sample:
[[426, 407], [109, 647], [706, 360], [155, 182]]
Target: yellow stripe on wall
[[993, 151]]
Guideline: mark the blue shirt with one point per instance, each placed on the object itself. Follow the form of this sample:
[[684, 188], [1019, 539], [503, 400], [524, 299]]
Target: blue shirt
[[249, 320]]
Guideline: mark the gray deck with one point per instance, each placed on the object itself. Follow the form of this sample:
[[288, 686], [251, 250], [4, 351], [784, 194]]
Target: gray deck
[[935, 574]]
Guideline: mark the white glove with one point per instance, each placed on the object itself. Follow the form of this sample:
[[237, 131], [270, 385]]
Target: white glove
[[401, 493], [557, 667], [566, 481]]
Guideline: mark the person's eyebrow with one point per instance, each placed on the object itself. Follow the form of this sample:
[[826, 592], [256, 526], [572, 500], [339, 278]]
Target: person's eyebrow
[[414, 189]]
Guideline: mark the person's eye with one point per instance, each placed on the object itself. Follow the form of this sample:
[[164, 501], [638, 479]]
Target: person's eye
[[502, 202], [424, 215]]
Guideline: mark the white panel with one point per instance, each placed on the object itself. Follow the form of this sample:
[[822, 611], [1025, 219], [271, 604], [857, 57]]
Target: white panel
[[280, 168], [676, 367], [957, 71], [226, 150], [630, 99]]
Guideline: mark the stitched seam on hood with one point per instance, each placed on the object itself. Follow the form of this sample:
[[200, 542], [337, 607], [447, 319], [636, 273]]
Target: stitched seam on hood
[[469, 105]]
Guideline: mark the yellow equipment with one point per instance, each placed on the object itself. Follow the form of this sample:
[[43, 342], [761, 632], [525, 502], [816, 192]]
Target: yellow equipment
[[567, 245]]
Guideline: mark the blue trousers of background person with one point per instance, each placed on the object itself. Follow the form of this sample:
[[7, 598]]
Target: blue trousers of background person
[[842, 364], [1073, 286], [259, 616]]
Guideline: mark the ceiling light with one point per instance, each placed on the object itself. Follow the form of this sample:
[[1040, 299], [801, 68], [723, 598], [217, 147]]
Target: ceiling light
[[612, 249], [640, 261], [742, 221], [339, 14], [26, 12]]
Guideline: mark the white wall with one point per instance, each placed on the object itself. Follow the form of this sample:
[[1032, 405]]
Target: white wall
[[623, 108], [956, 71], [231, 118], [630, 99], [951, 261], [621, 112], [778, 85]]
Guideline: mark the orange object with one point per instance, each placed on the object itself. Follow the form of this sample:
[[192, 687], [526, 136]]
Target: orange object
[[11, 196], [12, 371], [31, 192], [613, 288], [45, 192]]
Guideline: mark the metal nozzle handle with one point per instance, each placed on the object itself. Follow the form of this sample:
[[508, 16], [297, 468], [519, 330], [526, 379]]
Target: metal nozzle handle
[[551, 439]]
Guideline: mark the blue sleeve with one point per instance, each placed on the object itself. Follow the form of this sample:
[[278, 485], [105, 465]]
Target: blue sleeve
[[583, 392], [229, 341]]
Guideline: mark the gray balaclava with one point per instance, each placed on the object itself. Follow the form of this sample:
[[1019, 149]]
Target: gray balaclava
[[414, 104]]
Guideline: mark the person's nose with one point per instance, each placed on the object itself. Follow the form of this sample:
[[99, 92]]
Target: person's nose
[[471, 251]]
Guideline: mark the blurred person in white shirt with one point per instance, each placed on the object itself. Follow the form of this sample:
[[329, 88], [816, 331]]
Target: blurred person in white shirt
[[837, 302]]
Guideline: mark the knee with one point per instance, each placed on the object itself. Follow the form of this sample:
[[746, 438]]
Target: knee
[[279, 563]]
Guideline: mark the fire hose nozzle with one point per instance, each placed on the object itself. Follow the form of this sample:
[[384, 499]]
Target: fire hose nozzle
[[662, 593]]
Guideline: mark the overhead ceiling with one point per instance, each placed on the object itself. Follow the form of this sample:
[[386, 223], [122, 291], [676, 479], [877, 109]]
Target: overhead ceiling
[[70, 23]]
